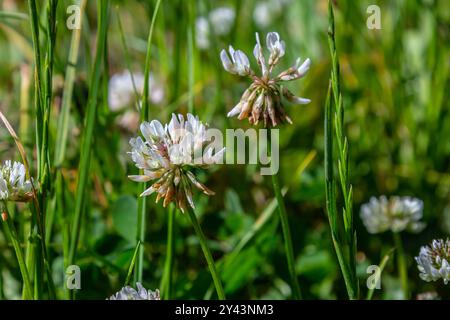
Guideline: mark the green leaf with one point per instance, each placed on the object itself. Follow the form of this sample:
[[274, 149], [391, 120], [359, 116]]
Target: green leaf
[[124, 217]]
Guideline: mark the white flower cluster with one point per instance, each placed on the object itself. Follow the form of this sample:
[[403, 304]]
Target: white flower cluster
[[129, 293], [221, 20], [433, 261], [396, 214], [262, 100], [121, 92], [168, 153], [13, 183]]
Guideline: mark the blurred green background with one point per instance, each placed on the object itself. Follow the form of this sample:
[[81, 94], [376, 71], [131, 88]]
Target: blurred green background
[[396, 88]]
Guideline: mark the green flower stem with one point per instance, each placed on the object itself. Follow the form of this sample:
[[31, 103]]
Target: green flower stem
[[11, 235], [207, 253], [401, 262], [166, 283], [144, 115], [288, 248], [287, 237]]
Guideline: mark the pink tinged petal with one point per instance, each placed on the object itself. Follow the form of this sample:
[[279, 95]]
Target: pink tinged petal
[[147, 192], [299, 100], [154, 174], [199, 185], [140, 178]]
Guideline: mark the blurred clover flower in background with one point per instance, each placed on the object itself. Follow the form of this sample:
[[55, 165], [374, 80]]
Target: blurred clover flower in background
[[129, 293], [121, 91], [221, 20], [431, 295], [168, 153], [262, 100], [395, 214], [265, 12], [13, 183], [433, 261]]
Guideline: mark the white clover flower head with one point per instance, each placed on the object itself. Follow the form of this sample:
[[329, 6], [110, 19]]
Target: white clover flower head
[[121, 92], [13, 183], [168, 154], [129, 293], [221, 20], [433, 261], [395, 214], [262, 101]]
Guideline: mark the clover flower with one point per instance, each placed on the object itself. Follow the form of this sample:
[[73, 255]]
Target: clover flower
[[129, 293], [430, 295], [121, 92], [433, 261], [262, 101], [395, 214], [13, 183], [168, 154], [220, 21]]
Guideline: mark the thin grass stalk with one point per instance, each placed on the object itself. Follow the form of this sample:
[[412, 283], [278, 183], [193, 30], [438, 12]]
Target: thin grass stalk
[[85, 153], [132, 263], [43, 97], [288, 247], [144, 115], [69, 80], [218, 96], [126, 54], [11, 235], [347, 245], [207, 253], [166, 283], [191, 57], [38, 94], [401, 264]]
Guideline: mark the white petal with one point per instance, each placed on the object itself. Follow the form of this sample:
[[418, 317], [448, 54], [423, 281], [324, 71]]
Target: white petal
[[303, 69], [235, 111], [148, 192]]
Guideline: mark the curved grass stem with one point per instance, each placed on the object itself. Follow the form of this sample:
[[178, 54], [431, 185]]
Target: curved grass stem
[[11, 235], [401, 263], [287, 237]]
